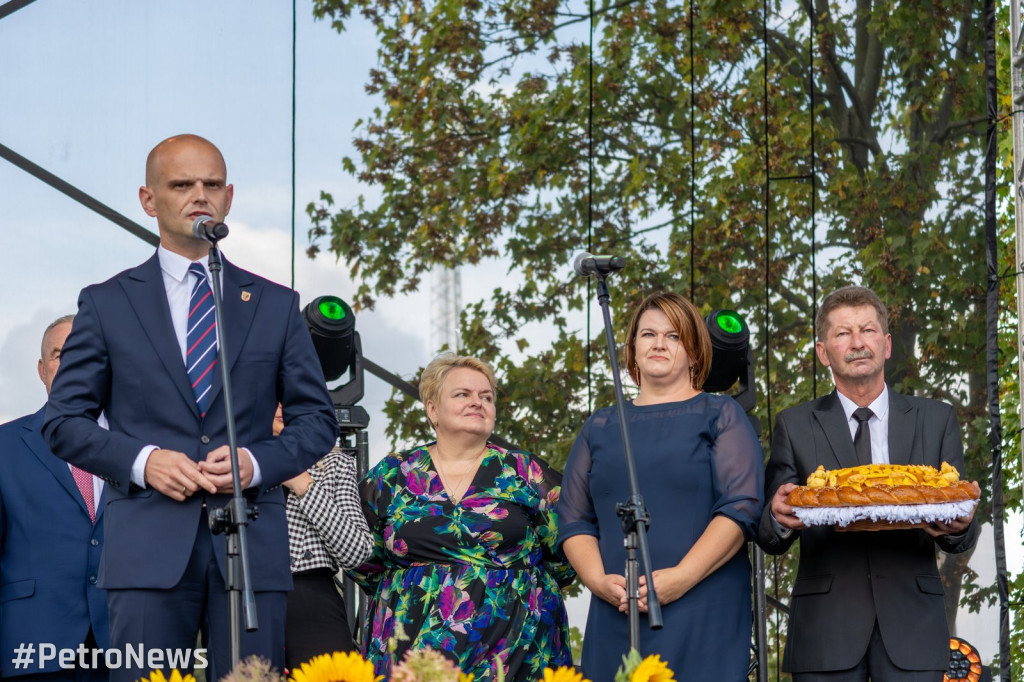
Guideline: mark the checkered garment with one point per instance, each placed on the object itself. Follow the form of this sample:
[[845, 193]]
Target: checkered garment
[[326, 526]]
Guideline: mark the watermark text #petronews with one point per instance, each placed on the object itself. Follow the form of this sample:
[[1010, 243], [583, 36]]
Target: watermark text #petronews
[[30, 657]]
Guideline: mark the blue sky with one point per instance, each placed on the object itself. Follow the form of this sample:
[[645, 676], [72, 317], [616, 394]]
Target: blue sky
[[88, 88]]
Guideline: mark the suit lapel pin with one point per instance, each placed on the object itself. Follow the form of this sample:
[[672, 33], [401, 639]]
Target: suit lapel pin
[[246, 296]]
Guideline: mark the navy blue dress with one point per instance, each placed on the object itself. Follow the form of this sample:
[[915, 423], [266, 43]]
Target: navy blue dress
[[695, 459]]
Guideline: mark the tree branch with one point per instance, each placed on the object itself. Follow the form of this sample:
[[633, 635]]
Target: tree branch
[[939, 129], [844, 83]]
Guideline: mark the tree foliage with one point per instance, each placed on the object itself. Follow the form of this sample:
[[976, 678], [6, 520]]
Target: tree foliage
[[749, 159]]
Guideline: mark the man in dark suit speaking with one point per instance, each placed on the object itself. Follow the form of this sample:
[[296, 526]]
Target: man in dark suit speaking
[[865, 605], [144, 350]]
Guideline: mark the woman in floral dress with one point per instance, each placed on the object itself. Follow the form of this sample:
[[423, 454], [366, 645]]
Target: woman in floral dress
[[464, 560]]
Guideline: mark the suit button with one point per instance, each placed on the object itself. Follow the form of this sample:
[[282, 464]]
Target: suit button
[[94, 542], [92, 580], [204, 439]]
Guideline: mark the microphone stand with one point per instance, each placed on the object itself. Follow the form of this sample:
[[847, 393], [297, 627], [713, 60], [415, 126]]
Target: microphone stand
[[633, 513], [232, 519]]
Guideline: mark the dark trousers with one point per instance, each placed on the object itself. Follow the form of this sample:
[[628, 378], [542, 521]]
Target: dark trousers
[[316, 622], [875, 666], [170, 620]]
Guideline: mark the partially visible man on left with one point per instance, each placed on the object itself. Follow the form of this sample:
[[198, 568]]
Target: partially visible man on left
[[51, 536], [146, 351]]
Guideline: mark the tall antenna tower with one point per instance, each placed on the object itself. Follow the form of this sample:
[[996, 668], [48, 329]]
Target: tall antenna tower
[[445, 307]]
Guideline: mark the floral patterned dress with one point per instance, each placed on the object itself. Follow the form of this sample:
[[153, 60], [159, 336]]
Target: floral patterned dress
[[479, 580]]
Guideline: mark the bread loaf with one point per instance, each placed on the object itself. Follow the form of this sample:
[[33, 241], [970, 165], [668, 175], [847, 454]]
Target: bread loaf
[[882, 484]]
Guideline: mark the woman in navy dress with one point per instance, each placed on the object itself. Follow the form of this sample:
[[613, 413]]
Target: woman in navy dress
[[701, 473]]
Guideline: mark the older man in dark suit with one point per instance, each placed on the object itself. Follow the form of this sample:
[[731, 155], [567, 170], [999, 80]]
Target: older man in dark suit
[[865, 605], [51, 537], [145, 349]]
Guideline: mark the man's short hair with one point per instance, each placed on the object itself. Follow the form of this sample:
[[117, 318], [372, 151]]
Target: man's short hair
[[59, 321], [850, 297]]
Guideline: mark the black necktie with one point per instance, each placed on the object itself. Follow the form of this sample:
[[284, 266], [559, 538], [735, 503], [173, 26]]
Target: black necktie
[[862, 439]]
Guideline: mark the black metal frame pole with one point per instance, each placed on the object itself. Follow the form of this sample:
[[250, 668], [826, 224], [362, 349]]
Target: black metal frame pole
[[355, 599], [362, 467], [992, 339], [760, 614], [633, 513], [13, 6], [234, 517], [75, 194]]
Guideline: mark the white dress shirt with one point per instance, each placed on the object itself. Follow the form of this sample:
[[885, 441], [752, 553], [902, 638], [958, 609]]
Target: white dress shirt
[[178, 283], [878, 425]]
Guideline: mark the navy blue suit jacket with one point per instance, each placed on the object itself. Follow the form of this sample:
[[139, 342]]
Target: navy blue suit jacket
[[122, 357], [49, 550]]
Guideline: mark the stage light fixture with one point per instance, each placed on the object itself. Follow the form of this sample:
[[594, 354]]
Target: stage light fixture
[[730, 342], [332, 324], [731, 359]]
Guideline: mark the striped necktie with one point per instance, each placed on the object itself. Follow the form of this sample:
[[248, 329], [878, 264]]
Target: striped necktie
[[201, 338]]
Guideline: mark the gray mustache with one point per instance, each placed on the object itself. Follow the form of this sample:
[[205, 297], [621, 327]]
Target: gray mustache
[[859, 355]]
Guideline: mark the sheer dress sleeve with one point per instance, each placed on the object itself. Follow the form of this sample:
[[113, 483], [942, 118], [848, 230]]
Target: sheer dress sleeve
[[576, 513], [737, 474]]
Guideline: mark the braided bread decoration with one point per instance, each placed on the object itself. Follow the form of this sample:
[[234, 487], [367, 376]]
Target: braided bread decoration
[[881, 484]]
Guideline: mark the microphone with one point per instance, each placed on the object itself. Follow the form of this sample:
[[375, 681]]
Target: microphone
[[587, 264], [205, 227]]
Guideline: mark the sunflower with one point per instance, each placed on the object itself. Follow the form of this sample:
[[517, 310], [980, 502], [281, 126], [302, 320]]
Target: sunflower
[[563, 674], [336, 667], [158, 676], [652, 669]]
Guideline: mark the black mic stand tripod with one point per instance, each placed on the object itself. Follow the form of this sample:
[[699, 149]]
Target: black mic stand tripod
[[633, 512], [232, 519]]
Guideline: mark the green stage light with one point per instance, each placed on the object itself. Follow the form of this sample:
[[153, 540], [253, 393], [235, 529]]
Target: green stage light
[[729, 321], [730, 343], [332, 307], [332, 324]]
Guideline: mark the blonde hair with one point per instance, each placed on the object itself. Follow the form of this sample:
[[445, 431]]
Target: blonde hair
[[432, 379], [687, 322]]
